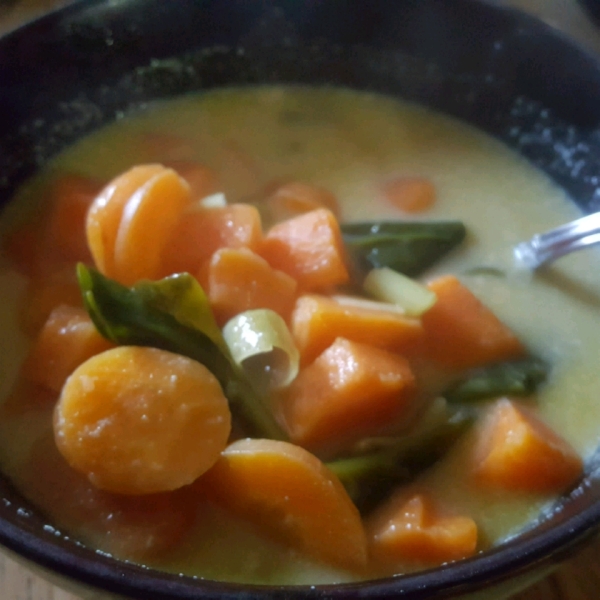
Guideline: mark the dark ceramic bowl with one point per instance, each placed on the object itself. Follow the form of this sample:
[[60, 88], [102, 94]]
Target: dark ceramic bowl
[[505, 72]]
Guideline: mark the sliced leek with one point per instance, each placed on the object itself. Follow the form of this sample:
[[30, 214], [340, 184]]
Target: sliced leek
[[261, 343], [390, 286]]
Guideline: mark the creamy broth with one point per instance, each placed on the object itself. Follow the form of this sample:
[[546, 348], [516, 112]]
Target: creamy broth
[[348, 142]]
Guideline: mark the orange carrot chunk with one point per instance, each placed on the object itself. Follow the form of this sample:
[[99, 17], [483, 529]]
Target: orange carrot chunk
[[410, 194], [349, 391], [67, 339], [295, 198], [202, 180], [129, 527], [139, 420], [72, 197], [288, 494], [318, 320], [309, 248], [415, 532], [202, 231], [240, 280], [461, 332], [517, 451]]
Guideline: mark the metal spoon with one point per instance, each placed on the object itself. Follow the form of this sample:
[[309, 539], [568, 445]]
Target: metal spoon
[[546, 247]]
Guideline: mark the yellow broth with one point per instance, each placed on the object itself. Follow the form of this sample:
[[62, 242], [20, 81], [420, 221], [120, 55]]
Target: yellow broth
[[350, 142]]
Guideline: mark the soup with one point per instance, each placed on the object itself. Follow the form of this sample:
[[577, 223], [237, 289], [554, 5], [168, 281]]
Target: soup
[[361, 155]]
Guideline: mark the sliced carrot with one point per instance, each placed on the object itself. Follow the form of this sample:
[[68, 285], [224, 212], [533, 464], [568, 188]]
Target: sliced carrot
[[309, 248], [296, 198], [140, 420], [72, 196], [43, 295], [67, 339], [240, 280], [517, 451], [147, 223], [351, 390], [106, 211], [410, 194], [414, 531], [318, 320], [129, 527], [461, 332], [291, 496], [202, 231], [203, 181]]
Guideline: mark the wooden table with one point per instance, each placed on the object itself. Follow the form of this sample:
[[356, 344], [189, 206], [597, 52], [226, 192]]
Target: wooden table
[[579, 578]]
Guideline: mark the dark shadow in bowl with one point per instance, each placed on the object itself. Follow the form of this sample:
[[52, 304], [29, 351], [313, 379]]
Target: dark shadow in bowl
[[506, 73]]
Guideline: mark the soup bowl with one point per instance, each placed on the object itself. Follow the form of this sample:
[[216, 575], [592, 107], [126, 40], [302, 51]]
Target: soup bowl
[[498, 69]]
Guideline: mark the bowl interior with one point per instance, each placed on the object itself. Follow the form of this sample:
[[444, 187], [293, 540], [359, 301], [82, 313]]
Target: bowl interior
[[498, 69]]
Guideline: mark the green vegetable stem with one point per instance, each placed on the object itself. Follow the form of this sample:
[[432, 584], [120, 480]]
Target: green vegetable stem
[[370, 477], [173, 314], [516, 378], [408, 247]]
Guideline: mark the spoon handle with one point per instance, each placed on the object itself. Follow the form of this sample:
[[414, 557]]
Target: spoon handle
[[546, 247]]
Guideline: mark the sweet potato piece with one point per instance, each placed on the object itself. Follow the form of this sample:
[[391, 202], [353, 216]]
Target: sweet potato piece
[[318, 320], [240, 280], [140, 420], [309, 248], [129, 527], [410, 194], [202, 231], [349, 391], [461, 332], [517, 451], [414, 531], [291, 496], [67, 339], [296, 198]]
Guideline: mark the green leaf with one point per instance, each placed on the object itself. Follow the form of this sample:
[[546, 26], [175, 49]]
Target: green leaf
[[407, 247], [370, 477], [149, 314], [516, 378]]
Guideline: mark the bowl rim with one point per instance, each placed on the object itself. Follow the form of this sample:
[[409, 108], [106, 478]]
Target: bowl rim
[[506, 561]]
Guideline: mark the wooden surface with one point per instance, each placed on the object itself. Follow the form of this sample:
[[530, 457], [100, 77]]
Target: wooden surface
[[577, 579]]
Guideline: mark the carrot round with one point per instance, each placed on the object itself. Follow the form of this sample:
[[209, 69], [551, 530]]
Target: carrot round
[[140, 420], [410, 194], [415, 531], [517, 451], [309, 248], [147, 222], [291, 496], [105, 213]]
